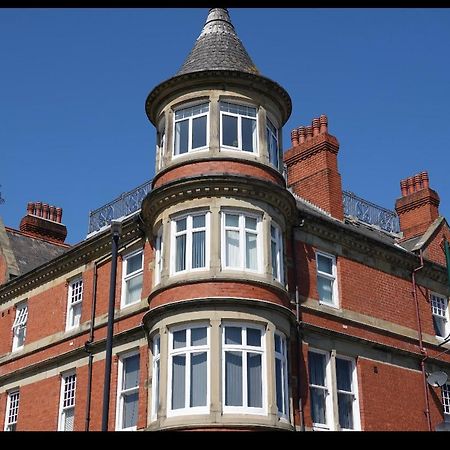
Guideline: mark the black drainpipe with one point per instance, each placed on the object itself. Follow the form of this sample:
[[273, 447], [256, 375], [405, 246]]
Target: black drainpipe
[[299, 335], [87, 348]]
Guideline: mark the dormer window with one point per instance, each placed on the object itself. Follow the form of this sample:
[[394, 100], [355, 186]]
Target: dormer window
[[238, 127], [191, 129]]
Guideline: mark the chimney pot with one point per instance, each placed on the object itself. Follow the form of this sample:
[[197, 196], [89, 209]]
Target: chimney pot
[[301, 134], [294, 137], [58, 215], [425, 179], [45, 211], [323, 119], [316, 126], [52, 213], [404, 188], [30, 208], [38, 209], [417, 182], [309, 132]]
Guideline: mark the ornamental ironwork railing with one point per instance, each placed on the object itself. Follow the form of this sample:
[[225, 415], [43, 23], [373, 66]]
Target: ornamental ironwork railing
[[126, 204], [370, 213]]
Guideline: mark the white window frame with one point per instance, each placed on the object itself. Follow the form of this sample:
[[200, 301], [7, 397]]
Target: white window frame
[[329, 425], [333, 277], [283, 358], [331, 400], [270, 132], [122, 392], [20, 325], [130, 276], [354, 392], [161, 143], [188, 350], [244, 349], [12, 410], [439, 310], [159, 252], [156, 371], [74, 298], [239, 127], [190, 119], [445, 391], [278, 241], [66, 379], [188, 232], [242, 243]]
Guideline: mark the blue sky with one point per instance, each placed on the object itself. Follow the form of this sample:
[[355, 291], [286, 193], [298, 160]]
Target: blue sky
[[73, 128]]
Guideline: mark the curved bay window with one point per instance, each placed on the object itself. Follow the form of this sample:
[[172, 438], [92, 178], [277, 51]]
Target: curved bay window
[[191, 129], [188, 387], [238, 127], [243, 368]]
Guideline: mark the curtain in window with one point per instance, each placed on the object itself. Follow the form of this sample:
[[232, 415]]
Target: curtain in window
[[233, 378], [232, 248], [76, 315], [69, 419], [130, 410], [279, 384], [180, 259], [134, 288], [178, 381], [198, 379], [254, 380], [198, 249], [251, 253], [325, 289], [316, 363]]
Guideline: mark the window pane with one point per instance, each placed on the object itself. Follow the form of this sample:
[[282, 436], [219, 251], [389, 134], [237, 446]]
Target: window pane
[[198, 249], [178, 381], [198, 379], [233, 335], [325, 289], [316, 363], [199, 132], [21, 332], [232, 256], [198, 221], [253, 337], [248, 135], [233, 378], [131, 372], [273, 249], [345, 406], [324, 264], [134, 288], [318, 410], [68, 419], [181, 224], [181, 137], [232, 220], [180, 258], [198, 336], [229, 131], [179, 339], [254, 380], [439, 326], [344, 374], [134, 263], [279, 384], [156, 392], [277, 343], [130, 410], [250, 223], [251, 253], [75, 315]]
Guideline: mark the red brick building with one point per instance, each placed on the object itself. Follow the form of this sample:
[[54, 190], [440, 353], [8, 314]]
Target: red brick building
[[251, 292]]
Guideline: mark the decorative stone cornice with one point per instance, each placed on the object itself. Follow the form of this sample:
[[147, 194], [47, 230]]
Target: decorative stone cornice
[[217, 186], [216, 79]]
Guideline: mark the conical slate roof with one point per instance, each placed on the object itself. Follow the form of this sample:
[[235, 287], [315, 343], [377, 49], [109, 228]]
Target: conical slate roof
[[218, 47]]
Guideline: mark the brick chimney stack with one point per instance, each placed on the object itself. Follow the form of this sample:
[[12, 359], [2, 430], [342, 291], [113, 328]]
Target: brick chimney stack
[[418, 207], [312, 171], [44, 221]]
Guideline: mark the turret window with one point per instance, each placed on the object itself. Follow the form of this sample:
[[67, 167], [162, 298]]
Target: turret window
[[272, 143], [191, 129], [238, 127]]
